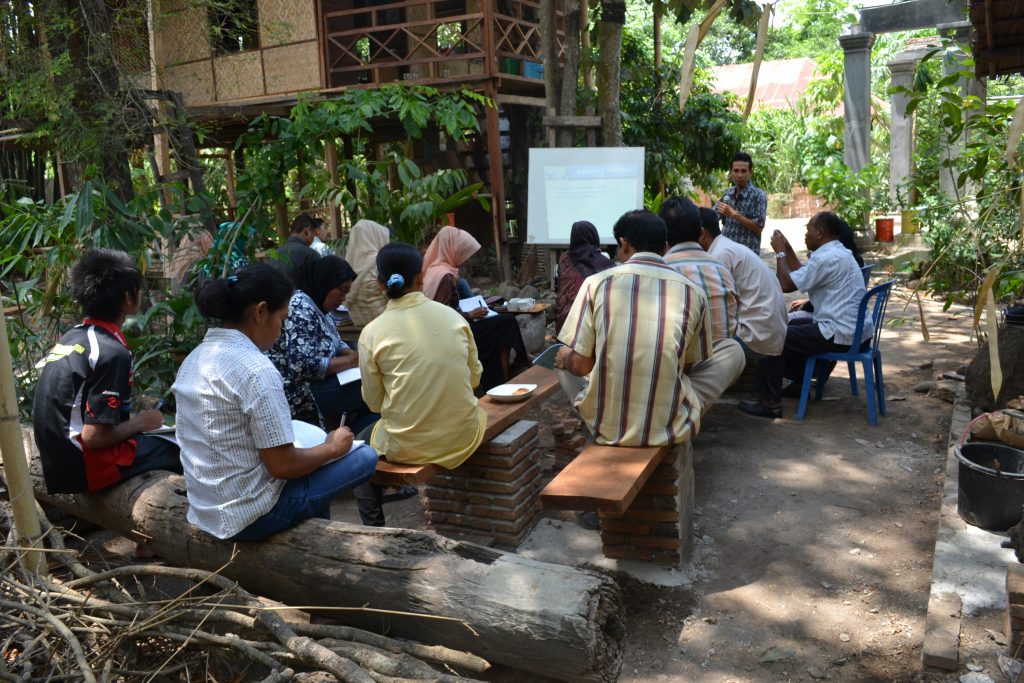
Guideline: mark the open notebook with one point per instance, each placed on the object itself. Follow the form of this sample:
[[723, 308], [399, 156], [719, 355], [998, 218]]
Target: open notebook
[[306, 436]]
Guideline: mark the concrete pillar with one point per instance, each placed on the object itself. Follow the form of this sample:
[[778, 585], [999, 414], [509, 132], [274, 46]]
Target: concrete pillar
[[968, 86], [857, 97], [857, 116], [901, 132]]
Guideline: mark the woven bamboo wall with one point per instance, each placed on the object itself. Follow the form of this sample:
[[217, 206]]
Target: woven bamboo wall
[[184, 36], [291, 68], [194, 81], [239, 76], [286, 21]]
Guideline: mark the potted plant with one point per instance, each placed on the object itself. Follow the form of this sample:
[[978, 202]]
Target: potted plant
[[884, 222], [906, 197]]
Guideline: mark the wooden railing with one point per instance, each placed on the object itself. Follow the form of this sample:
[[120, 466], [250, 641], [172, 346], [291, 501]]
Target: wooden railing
[[431, 41]]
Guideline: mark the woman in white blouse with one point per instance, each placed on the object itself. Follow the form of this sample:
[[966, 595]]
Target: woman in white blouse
[[245, 477]]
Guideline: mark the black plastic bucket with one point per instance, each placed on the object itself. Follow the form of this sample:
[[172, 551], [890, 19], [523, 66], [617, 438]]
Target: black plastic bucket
[[991, 485]]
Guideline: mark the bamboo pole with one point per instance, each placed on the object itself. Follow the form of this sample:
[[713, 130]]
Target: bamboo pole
[[23, 503]]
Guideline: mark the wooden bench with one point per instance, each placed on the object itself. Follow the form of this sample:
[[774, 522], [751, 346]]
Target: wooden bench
[[643, 497], [500, 416]]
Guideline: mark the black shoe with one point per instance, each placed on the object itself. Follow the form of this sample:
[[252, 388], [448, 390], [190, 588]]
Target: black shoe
[[758, 409], [589, 521]]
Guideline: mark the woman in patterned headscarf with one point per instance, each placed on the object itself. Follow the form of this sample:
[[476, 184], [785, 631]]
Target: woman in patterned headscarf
[[365, 300], [496, 335]]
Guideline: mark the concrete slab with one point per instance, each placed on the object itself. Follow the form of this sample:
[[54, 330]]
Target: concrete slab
[[565, 542], [968, 561]]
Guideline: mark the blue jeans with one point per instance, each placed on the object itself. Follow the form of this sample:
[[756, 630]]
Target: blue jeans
[[311, 495], [465, 291]]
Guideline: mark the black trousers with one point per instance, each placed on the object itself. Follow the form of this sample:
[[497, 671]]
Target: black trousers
[[803, 339], [369, 496]]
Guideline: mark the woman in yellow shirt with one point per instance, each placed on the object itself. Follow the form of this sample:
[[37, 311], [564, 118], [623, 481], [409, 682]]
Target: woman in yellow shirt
[[419, 366]]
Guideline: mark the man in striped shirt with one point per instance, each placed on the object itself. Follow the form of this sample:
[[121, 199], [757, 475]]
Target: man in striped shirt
[[640, 331], [682, 219]]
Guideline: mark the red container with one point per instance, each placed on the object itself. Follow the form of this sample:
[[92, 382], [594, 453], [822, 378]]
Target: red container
[[883, 229]]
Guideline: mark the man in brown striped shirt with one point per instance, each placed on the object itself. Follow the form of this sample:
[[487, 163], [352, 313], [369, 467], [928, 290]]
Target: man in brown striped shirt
[[640, 331]]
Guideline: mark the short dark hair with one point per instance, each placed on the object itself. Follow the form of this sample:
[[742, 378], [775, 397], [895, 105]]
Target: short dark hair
[[101, 279], [398, 264], [839, 229], [682, 219], [644, 230], [228, 299], [303, 222], [741, 156], [709, 221]]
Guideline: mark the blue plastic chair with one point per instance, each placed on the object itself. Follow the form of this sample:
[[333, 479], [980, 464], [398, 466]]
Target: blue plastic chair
[[866, 272], [870, 358]]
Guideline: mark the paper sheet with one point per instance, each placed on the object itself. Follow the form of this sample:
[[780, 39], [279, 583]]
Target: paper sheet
[[348, 376], [305, 435], [473, 303]]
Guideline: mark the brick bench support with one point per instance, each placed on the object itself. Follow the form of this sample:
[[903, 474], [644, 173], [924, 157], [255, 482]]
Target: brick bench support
[[643, 497], [494, 493]]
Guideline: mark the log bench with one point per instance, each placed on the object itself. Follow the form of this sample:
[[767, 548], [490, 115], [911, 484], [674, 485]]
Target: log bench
[[492, 496], [643, 498]]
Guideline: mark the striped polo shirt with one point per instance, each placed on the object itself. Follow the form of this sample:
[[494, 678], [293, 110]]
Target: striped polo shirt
[[642, 322], [714, 278]]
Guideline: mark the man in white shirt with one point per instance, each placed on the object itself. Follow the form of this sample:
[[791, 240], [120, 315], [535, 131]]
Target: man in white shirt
[[319, 244], [835, 285], [761, 314]]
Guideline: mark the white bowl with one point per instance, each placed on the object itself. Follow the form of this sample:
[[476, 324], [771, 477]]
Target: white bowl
[[511, 393]]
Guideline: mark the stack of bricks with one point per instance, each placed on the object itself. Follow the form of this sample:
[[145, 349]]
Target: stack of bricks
[[658, 525], [569, 440], [492, 496], [1014, 622]]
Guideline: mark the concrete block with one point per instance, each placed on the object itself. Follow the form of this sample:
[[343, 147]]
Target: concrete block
[[510, 439]]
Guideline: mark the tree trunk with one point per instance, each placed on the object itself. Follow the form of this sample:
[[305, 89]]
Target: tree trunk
[[570, 69], [549, 48], [613, 15], [99, 97], [547, 619], [586, 60]]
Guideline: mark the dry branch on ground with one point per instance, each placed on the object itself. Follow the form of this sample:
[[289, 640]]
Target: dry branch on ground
[[79, 624]]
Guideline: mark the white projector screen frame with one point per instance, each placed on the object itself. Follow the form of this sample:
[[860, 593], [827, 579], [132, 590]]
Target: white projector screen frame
[[569, 184]]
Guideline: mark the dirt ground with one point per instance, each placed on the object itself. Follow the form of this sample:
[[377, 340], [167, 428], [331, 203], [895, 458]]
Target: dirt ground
[[814, 539]]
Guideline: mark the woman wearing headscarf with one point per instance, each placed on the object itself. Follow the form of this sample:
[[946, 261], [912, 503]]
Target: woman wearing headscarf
[[365, 301], [309, 353], [496, 335], [583, 259]]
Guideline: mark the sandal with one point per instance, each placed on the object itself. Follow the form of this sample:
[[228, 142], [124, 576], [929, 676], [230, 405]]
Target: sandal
[[400, 494]]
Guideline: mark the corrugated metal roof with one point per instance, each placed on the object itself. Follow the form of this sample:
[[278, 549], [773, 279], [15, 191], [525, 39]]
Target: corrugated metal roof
[[780, 82]]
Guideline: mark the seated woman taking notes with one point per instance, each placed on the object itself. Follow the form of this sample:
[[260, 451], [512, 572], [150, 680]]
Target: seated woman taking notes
[[419, 366], [244, 476], [495, 335], [309, 354]]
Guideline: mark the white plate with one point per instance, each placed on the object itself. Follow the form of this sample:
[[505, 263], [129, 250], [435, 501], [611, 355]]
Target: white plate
[[510, 393]]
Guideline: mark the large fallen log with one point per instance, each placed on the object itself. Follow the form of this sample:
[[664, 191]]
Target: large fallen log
[[548, 619]]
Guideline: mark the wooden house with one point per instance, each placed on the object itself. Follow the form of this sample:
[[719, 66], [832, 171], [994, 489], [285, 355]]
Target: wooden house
[[232, 66]]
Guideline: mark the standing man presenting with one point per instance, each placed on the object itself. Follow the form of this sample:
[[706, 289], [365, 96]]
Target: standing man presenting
[[744, 206]]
